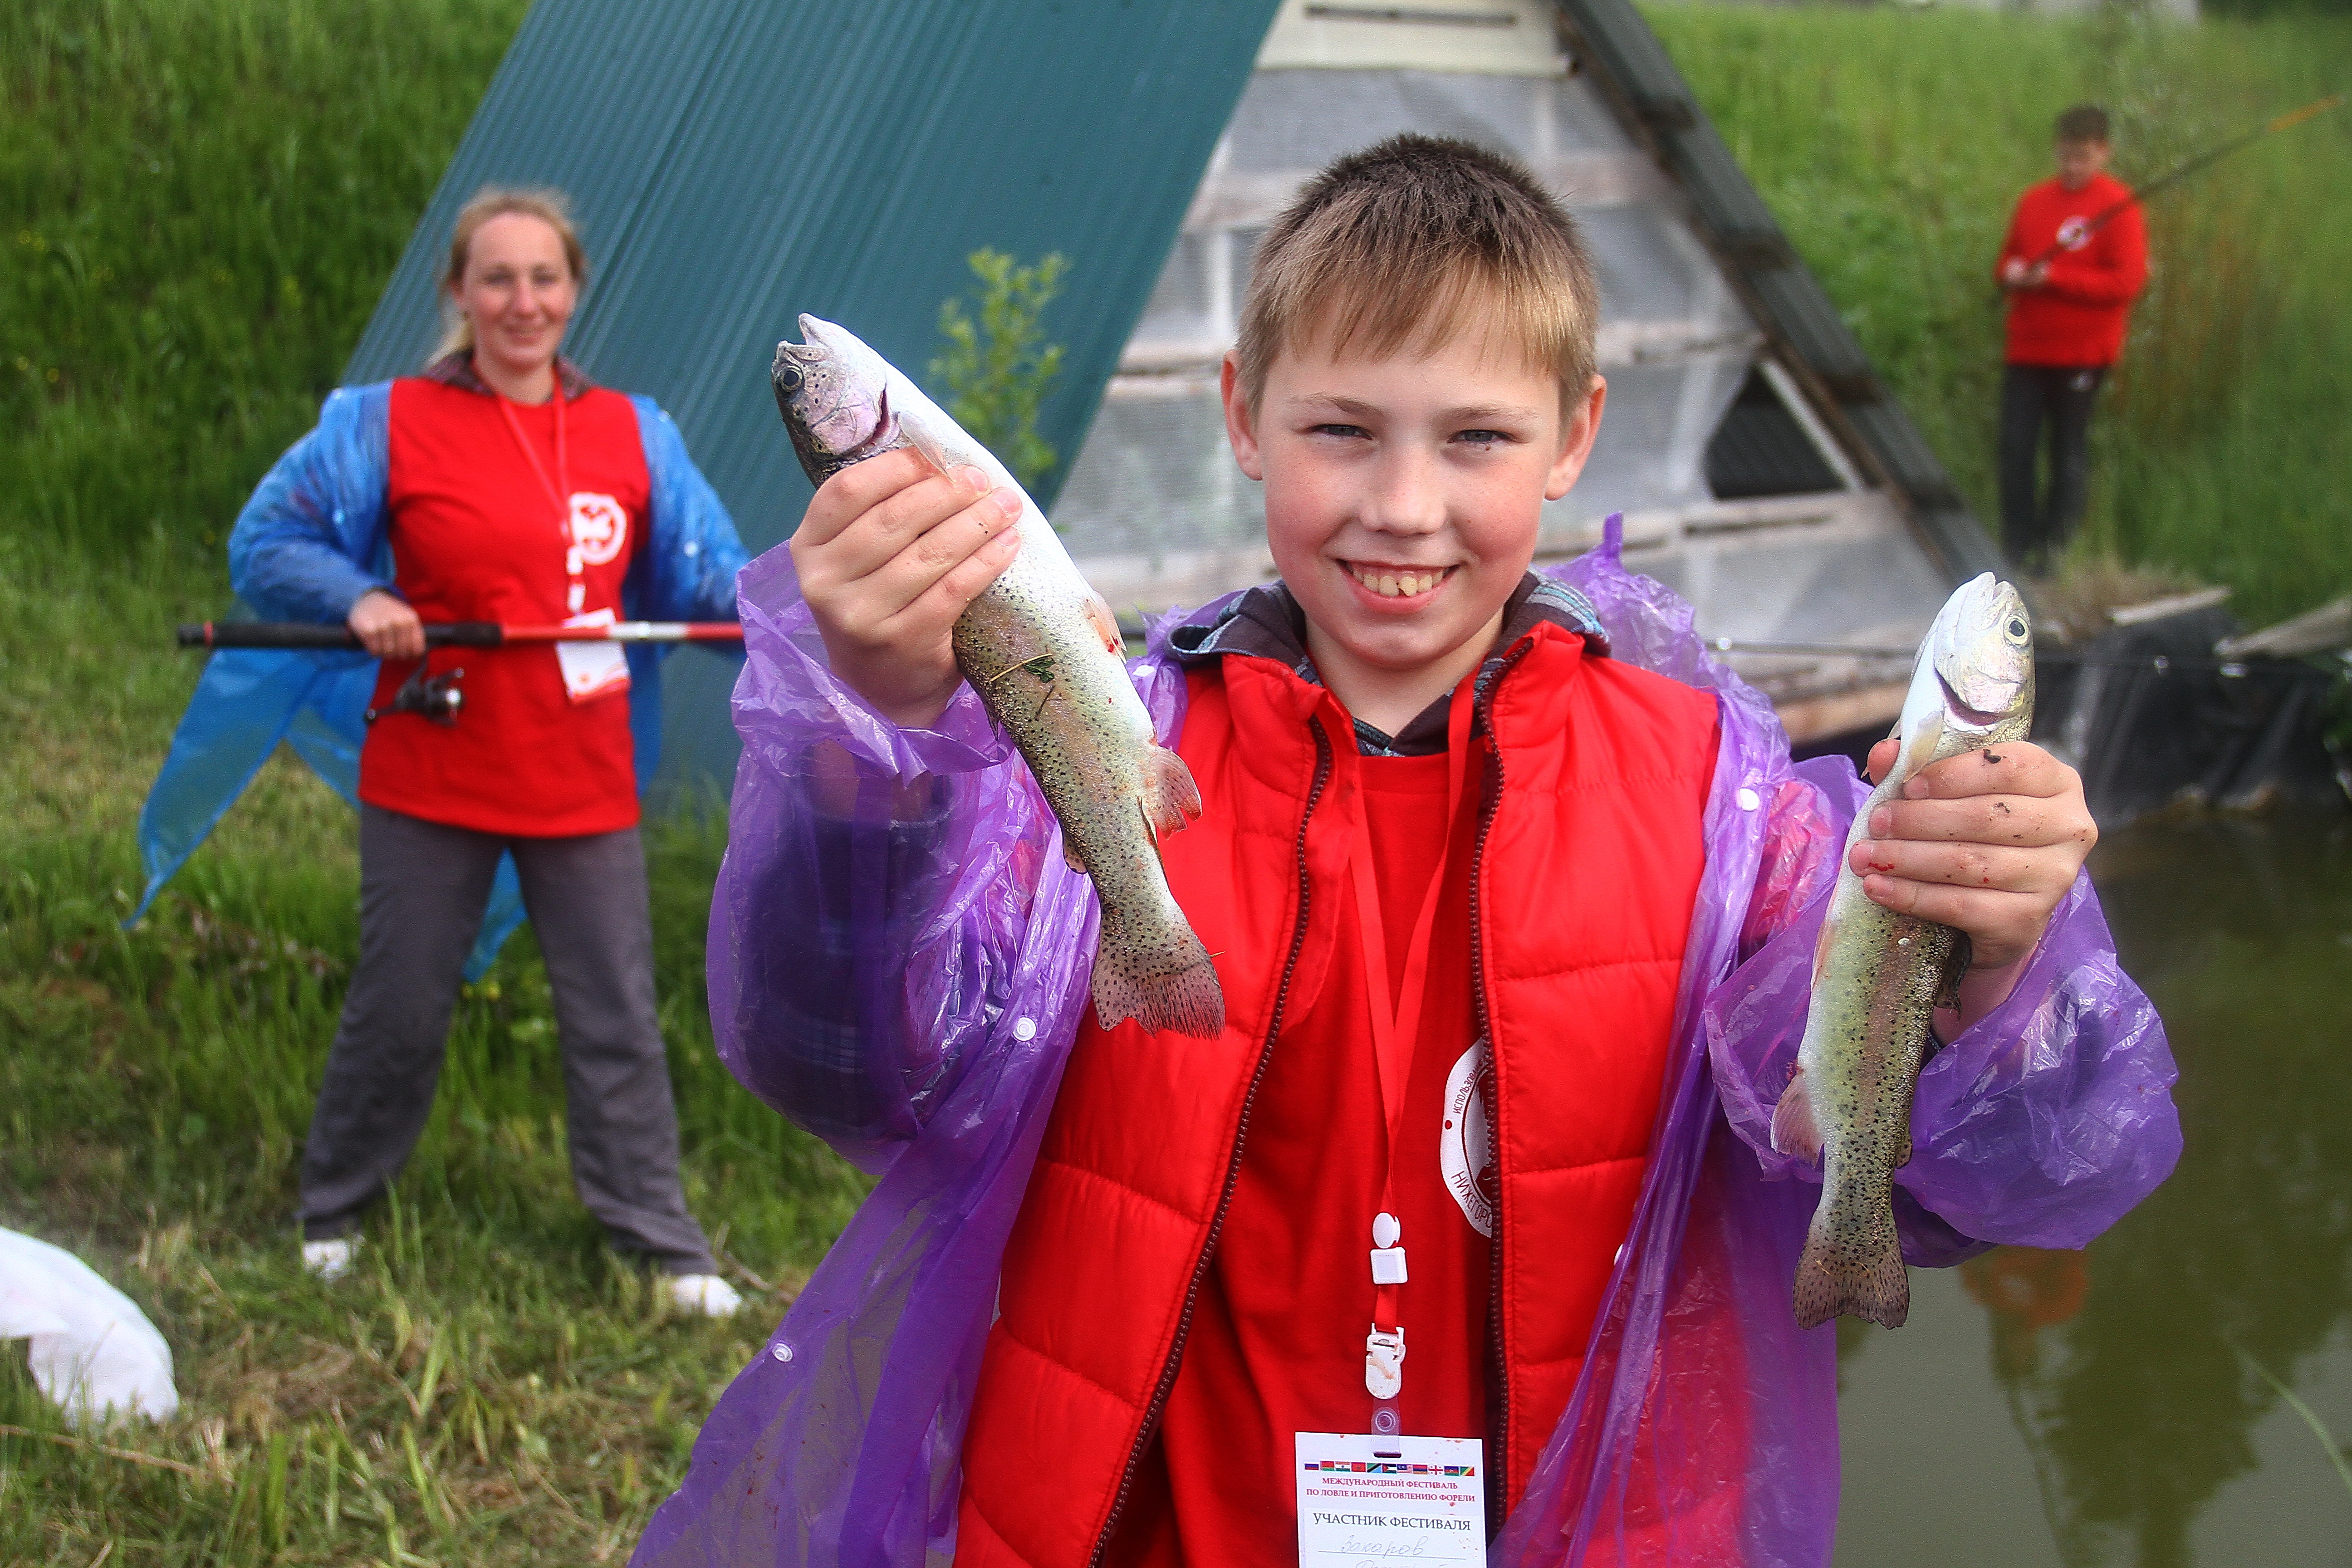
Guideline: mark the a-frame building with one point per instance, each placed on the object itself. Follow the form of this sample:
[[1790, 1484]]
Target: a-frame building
[[1765, 472], [745, 162]]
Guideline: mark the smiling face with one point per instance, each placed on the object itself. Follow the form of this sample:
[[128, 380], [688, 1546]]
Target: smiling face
[[518, 291], [1403, 496]]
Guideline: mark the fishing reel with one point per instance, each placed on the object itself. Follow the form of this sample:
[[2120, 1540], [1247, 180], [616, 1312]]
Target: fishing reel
[[437, 699]]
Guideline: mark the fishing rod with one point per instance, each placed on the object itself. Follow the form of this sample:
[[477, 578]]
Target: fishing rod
[[2100, 219], [438, 697], [453, 633]]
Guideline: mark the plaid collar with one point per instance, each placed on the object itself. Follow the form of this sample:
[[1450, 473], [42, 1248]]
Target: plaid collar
[[1266, 623], [455, 368]]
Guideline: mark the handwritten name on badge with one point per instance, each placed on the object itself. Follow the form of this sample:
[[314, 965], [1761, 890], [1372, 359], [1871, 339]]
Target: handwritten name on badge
[[1365, 1499]]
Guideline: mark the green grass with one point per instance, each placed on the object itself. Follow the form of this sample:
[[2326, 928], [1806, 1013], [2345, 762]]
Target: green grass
[[493, 1385], [204, 198], [1892, 145], [199, 203]]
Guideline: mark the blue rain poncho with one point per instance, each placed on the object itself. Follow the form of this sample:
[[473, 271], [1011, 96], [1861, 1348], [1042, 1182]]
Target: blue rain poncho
[[313, 538]]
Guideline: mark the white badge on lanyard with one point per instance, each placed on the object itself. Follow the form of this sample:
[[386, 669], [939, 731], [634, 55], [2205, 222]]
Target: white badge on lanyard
[[1363, 1498], [592, 669]]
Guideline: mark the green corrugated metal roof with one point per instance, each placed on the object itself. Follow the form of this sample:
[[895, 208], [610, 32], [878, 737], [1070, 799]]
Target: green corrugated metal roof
[[734, 163]]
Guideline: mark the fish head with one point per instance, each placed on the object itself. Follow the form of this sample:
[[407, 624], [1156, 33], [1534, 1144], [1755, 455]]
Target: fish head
[[1981, 651], [834, 394]]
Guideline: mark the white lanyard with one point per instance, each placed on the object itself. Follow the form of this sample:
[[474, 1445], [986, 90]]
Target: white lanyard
[[558, 489]]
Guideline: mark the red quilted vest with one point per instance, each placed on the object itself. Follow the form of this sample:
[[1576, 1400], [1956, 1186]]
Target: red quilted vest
[[1589, 856]]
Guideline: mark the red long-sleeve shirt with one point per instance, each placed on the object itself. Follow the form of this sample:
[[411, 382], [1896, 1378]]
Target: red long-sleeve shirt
[[1262, 1360], [2077, 317]]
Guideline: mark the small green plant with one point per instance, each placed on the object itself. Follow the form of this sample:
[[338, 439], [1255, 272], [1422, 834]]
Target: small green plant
[[997, 368]]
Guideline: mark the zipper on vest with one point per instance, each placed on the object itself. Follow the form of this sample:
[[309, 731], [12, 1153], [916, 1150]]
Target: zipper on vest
[[1499, 1418], [1233, 1161]]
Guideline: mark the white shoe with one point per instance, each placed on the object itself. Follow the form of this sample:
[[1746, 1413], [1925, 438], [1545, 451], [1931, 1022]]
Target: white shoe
[[704, 1293], [330, 1259]]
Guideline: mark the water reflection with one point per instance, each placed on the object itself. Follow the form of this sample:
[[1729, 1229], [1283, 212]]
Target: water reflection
[[2025, 1289], [2119, 1366]]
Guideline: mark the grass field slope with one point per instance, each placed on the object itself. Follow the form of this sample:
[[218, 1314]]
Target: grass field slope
[[199, 202], [203, 199]]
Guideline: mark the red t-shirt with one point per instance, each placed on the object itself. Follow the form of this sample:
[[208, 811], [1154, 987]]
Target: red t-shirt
[[477, 535], [2077, 317], [1276, 1343]]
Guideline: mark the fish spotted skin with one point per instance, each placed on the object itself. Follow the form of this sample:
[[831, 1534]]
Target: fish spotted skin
[[1046, 656], [1878, 976]]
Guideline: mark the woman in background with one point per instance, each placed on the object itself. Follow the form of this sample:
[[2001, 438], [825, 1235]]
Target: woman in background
[[498, 485]]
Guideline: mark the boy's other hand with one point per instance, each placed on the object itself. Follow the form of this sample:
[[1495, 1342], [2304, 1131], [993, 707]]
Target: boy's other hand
[[1987, 842], [889, 554]]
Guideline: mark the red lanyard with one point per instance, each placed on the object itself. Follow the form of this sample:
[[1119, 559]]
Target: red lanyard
[[1396, 1034], [559, 489]]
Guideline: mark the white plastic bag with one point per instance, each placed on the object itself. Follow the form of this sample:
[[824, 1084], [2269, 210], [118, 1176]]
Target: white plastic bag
[[94, 1351]]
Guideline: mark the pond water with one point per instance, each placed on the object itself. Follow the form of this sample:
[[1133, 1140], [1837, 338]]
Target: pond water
[[2104, 1407]]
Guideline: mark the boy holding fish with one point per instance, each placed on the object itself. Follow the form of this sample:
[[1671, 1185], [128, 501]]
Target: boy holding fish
[[1466, 1223]]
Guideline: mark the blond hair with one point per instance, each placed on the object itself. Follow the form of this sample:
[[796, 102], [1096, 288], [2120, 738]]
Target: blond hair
[[551, 207], [1410, 241]]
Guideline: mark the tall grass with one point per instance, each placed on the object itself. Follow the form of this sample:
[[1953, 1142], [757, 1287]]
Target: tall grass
[[1892, 145], [201, 200], [492, 1386], [199, 203]]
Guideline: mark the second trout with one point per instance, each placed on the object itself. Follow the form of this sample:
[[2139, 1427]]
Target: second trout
[[1878, 976]]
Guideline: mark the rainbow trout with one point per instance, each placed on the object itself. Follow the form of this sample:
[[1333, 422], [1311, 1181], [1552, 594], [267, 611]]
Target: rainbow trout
[[1879, 976], [1045, 655]]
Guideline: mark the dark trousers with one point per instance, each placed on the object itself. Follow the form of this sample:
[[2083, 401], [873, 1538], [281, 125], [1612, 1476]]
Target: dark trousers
[[422, 889], [2037, 520]]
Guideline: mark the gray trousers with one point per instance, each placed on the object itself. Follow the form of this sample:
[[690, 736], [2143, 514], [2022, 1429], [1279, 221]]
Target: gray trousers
[[422, 890]]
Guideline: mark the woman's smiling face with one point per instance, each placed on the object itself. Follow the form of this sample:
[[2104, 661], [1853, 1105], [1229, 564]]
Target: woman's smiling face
[[1403, 498], [518, 291]]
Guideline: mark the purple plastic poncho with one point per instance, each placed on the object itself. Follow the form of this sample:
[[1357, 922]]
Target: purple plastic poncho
[[898, 961]]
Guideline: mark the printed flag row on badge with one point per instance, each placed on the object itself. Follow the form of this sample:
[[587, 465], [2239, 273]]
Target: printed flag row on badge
[[1382, 1467]]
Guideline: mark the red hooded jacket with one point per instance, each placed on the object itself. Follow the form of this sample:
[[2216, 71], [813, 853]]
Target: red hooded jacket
[[2077, 317]]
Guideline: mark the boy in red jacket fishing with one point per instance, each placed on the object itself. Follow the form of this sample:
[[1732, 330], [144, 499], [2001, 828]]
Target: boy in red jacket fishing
[[2075, 258], [1470, 1212]]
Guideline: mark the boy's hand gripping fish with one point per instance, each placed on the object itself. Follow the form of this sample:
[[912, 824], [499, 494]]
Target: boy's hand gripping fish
[[1045, 655], [1878, 976]]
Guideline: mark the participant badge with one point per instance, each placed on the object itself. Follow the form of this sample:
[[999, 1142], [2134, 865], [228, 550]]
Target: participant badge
[[1370, 1498]]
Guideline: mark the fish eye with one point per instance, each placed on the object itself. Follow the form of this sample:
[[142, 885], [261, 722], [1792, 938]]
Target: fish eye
[[2016, 627], [789, 377]]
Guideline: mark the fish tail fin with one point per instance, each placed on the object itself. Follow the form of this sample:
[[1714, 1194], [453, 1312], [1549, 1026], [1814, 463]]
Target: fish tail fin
[[1170, 799], [1852, 1260], [1158, 973]]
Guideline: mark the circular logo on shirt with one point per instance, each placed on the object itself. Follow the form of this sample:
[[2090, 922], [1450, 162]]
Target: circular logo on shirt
[[1466, 1146], [599, 527], [2074, 232]]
